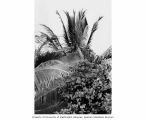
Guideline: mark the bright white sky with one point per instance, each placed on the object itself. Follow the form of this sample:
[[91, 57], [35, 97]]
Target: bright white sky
[[45, 13]]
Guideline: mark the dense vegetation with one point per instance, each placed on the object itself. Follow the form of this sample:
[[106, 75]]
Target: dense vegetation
[[72, 79], [87, 90]]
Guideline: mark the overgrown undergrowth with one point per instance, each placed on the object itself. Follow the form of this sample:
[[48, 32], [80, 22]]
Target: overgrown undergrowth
[[87, 90]]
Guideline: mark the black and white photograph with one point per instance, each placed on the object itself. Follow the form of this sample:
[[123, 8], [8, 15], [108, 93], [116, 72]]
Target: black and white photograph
[[72, 59], [73, 56]]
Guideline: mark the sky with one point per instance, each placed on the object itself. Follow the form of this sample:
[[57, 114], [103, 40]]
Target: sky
[[45, 13]]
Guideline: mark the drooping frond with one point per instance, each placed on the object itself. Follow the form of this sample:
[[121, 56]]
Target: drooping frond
[[50, 41], [41, 41], [48, 30], [40, 38], [46, 76], [67, 40], [52, 36], [94, 28], [37, 39]]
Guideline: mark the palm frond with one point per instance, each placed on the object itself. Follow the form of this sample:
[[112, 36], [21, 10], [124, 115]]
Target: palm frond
[[50, 41], [58, 44], [46, 77], [81, 24], [84, 36], [76, 29], [37, 39], [66, 38], [41, 40], [94, 28], [48, 30], [48, 56], [52, 35], [71, 28]]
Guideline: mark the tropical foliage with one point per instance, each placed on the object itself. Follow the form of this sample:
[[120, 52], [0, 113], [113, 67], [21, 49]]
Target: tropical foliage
[[87, 90], [76, 33], [68, 76]]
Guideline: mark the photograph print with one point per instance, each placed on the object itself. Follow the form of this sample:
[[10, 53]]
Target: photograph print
[[73, 57]]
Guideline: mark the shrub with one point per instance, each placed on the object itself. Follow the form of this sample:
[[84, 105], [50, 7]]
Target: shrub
[[88, 90]]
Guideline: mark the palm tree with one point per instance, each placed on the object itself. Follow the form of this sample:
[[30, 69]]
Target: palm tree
[[76, 33], [48, 74]]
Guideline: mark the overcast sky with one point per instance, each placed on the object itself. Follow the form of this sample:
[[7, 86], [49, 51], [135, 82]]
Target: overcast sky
[[45, 13]]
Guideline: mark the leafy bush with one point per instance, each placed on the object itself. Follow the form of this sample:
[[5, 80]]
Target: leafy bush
[[88, 90]]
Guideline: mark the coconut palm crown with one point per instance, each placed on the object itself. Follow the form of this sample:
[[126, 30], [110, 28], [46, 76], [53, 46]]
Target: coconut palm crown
[[76, 33]]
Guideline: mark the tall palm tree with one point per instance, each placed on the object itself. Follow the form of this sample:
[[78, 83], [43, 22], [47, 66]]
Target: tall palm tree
[[76, 32]]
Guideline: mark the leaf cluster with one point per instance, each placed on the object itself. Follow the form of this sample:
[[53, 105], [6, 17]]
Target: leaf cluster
[[88, 90]]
